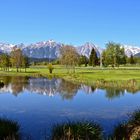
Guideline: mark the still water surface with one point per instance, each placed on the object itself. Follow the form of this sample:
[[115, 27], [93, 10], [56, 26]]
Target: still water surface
[[39, 103]]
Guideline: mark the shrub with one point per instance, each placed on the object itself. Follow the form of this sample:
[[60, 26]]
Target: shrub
[[77, 131], [129, 130], [9, 130], [50, 67]]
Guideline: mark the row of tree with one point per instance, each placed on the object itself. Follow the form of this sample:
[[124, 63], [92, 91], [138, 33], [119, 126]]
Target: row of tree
[[113, 55], [15, 59]]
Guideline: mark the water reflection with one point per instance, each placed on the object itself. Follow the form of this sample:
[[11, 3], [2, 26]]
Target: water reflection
[[36, 111], [67, 90], [112, 93], [14, 85], [43, 86]]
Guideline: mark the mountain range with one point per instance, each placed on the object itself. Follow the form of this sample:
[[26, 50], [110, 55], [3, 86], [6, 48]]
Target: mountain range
[[50, 49]]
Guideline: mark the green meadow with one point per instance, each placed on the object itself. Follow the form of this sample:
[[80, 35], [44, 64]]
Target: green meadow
[[81, 74]]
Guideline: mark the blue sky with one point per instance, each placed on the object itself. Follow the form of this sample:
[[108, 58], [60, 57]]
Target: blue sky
[[70, 21]]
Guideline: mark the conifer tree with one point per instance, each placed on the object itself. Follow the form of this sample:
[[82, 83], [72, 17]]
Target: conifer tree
[[132, 60], [93, 59]]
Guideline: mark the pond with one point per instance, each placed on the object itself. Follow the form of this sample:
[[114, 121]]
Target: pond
[[39, 103]]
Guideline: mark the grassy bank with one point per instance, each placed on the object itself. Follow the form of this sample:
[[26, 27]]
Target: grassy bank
[[87, 75]]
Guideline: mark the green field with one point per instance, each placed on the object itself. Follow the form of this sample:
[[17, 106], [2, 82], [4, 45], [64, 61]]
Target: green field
[[82, 74]]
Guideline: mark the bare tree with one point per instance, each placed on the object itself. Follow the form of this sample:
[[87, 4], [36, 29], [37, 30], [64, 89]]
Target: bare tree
[[16, 58], [69, 57]]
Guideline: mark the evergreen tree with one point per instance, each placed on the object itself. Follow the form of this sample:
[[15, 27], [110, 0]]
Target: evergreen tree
[[132, 60], [93, 59]]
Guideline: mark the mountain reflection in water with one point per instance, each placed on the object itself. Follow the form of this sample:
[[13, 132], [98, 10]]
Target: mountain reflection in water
[[51, 87], [36, 110]]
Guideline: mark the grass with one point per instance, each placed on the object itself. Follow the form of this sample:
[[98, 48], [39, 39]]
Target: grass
[[129, 130], [86, 75], [77, 131], [9, 130]]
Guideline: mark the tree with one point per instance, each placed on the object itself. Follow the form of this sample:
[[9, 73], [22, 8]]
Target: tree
[[4, 62], [93, 59], [69, 57], [114, 55], [131, 60], [16, 58], [123, 57], [83, 60], [104, 58], [25, 62], [50, 67]]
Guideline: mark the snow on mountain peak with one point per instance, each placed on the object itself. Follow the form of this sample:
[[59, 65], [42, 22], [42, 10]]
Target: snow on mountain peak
[[131, 50], [51, 49], [87, 48]]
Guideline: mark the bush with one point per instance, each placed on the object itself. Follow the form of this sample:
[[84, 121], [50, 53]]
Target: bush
[[9, 130], [129, 130], [50, 67], [77, 131]]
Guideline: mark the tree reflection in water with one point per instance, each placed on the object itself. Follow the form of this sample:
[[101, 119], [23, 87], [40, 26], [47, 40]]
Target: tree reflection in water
[[67, 90], [112, 93], [1, 84], [18, 84], [15, 84]]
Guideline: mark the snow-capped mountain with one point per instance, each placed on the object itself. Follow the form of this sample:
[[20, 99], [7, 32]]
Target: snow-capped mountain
[[131, 50], [48, 49], [87, 48], [6, 48], [51, 49]]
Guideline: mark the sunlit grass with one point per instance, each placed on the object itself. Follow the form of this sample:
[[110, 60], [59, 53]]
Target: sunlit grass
[[87, 75]]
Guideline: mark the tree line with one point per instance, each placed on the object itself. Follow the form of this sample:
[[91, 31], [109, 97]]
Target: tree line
[[16, 59], [113, 55]]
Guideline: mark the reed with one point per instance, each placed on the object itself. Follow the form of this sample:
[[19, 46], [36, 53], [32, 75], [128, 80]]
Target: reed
[[77, 131], [9, 130], [129, 130]]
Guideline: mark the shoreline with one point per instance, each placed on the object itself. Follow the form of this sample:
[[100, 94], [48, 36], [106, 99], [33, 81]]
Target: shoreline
[[114, 78]]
